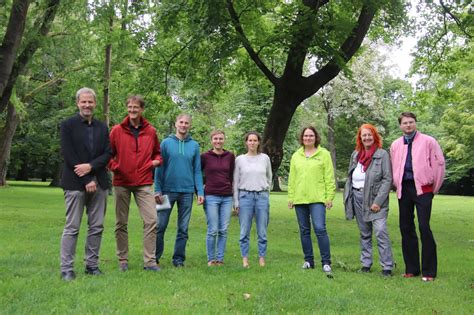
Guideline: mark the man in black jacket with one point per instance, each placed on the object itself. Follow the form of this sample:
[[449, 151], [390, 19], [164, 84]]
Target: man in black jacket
[[86, 150]]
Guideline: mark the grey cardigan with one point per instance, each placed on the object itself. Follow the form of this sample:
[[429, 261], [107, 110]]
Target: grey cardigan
[[377, 185]]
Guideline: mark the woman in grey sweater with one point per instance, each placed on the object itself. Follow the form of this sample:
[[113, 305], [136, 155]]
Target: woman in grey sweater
[[252, 180], [366, 196]]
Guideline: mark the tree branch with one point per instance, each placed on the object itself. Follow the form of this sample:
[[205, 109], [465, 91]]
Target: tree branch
[[11, 41], [170, 61], [315, 4], [302, 33], [346, 51], [455, 18], [41, 26], [48, 83], [245, 42]]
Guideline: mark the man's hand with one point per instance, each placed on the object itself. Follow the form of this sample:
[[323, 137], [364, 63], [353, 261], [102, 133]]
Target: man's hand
[[82, 169], [290, 205], [375, 208], [155, 163], [200, 200], [91, 187], [159, 198], [328, 204]]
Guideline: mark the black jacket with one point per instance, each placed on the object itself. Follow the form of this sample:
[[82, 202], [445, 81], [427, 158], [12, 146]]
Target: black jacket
[[76, 150]]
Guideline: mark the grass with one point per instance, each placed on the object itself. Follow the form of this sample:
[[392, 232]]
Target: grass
[[31, 223]]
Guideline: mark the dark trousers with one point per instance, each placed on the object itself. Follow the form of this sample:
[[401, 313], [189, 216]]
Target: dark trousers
[[411, 254]]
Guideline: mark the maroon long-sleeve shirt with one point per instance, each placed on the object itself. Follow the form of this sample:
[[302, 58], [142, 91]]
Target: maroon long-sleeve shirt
[[218, 172]]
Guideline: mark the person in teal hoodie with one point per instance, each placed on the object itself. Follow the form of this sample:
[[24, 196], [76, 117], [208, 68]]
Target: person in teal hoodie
[[311, 190], [177, 180]]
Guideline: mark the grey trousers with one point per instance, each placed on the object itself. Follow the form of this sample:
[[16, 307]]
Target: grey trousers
[[95, 204], [381, 233]]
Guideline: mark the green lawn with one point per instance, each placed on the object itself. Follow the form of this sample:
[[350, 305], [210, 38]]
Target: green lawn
[[31, 223]]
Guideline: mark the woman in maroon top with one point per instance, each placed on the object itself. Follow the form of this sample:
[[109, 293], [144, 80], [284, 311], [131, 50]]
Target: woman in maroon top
[[218, 167]]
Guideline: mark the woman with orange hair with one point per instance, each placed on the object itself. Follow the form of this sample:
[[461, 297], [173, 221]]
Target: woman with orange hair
[[366, 198]]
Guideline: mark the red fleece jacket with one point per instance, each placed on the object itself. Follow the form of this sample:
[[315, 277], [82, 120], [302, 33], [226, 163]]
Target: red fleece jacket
[[132, 157]]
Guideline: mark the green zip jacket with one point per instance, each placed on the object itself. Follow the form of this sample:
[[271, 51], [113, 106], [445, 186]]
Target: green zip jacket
[[311, 179]]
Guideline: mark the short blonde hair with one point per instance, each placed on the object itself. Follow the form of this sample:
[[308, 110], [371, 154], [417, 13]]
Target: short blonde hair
[[217, 132]]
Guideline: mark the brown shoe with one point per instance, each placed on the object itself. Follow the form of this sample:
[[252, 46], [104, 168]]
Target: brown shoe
[[211, 263], [219, 263]]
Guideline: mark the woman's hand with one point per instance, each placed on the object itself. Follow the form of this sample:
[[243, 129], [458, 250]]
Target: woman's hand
[[328, 204], [235, 211], [375, 208], [290, 205]]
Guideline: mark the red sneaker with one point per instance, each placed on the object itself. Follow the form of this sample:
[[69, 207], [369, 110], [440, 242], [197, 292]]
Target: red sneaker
[[427, 279], [408, 275]]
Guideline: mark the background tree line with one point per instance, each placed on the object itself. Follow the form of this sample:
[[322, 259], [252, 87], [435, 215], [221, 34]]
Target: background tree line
[[271, 66]]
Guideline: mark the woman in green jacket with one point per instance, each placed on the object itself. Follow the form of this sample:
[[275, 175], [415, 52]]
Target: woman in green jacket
[[311, 190]]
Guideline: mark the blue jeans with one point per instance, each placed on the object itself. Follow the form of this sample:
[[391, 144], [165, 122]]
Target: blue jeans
[[253, 203], [316, 212], [185, 203], [218, 210]]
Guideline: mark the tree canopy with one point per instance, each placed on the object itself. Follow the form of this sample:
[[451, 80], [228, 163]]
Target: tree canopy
[[238, 65]]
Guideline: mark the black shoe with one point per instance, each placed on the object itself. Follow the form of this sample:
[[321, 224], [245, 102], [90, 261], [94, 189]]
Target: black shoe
[[68, 275], [386, 273], [364, 269], [152, 268], [178, 264], [93, 271]]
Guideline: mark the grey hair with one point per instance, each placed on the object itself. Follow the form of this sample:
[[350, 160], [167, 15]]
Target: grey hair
[[85, 90]]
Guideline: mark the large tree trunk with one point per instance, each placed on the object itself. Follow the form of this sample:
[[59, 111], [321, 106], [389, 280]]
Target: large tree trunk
[[41, 28], [276, 183], [6, 137], [301, 87], [11, 42], [277, 125]]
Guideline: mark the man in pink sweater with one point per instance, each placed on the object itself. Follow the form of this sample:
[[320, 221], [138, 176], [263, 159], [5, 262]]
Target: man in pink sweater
[[418, 171]]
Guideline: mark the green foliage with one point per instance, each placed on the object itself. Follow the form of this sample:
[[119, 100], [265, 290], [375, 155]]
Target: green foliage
[[186, 56], [32, 219], [458, 118]]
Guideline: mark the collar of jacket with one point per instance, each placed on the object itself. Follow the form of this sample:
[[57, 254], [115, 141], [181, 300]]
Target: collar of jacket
[[300, 151], [125, 124], [377, 155]]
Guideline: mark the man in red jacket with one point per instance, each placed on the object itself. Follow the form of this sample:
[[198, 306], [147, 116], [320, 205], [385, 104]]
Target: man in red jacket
[[135, 153]]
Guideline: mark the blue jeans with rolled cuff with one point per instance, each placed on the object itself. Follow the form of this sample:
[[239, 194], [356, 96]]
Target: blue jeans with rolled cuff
[[218, 210], [253, 203]]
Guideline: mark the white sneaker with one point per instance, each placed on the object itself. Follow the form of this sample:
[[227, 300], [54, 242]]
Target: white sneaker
[[327, 269], [307, 265]]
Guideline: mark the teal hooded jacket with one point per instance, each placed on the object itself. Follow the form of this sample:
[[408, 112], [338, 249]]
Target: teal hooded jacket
[[181, 168], [311, 179]]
